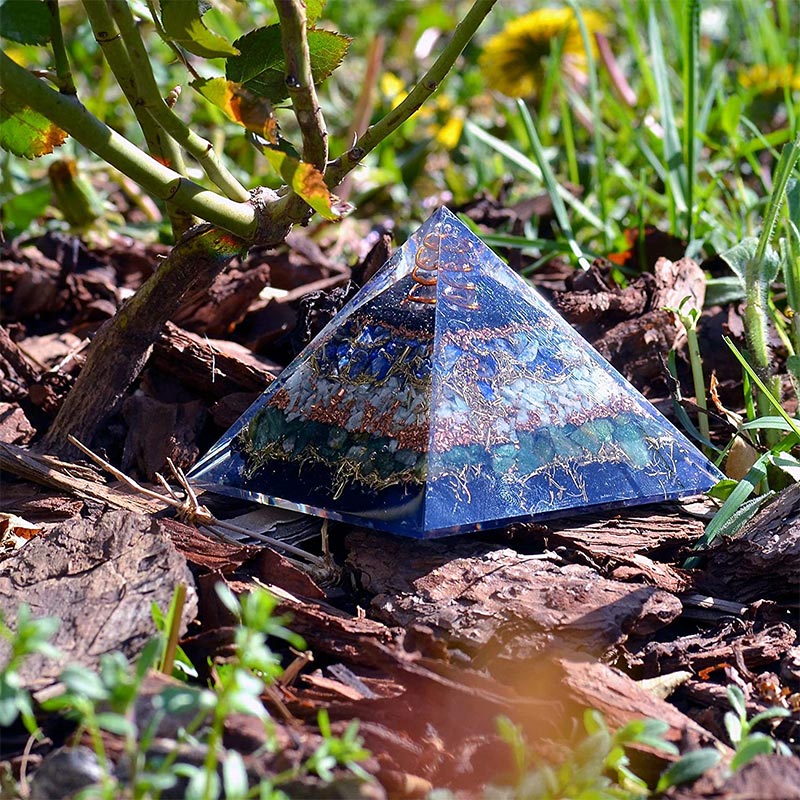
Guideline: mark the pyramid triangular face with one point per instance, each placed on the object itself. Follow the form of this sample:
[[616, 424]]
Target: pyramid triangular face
[[447, 396]]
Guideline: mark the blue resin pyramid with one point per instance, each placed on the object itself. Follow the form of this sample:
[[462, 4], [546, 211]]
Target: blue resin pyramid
[[447, 397]]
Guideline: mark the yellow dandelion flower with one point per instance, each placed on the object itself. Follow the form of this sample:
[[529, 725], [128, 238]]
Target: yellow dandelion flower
[[449, 134], [770, 80], [512, 61], [393, 89]]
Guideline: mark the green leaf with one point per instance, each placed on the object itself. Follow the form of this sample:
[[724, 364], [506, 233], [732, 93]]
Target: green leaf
[[788, 464], [756, 744], [261, 66], [731, 114], [9, 694], [721, 291], [722, 489], [741, 254], [25, 132], [20, 210], [736, 699], [305, 180], [116, 723], [183, 24], [689, 768], [240, 105], [234, 775], [767, 423], [770, 713], [25, 21], [313, 10], [793, 200], [83, 682], [733, 725]]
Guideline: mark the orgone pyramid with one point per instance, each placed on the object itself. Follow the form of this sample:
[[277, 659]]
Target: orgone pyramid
[[447, 397]]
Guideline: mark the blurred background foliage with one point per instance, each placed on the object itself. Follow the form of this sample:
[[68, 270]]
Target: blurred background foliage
[[602, 121]]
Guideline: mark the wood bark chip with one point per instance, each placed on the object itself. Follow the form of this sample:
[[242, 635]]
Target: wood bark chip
[[643, 332], [75, 479], [425, 717], [625, 546], [224, 558], [15, 427], [429, 718], [757, 647], [217, 309], [17, 373], [763, 561], [498, 605], [216, 368], [100, 579], [158, 431]]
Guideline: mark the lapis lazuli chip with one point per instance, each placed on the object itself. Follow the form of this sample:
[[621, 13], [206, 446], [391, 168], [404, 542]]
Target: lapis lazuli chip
[[448, 397]]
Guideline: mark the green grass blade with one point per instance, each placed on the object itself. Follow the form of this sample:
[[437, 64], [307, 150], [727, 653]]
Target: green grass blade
[[761, 385], [725, 519], [783, 172], [523, 162], [671, 143], [552, 185], [597, 123], [691, 70]]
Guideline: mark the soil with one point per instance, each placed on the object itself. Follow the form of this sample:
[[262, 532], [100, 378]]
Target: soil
[[426, 643]]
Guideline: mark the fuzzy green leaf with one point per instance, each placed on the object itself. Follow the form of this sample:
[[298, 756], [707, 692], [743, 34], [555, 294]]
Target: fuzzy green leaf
[[793, 200], [756, 744], [183, 24], [25, 132], [689, 768], [25, 21], [741, 254], [261, 66]]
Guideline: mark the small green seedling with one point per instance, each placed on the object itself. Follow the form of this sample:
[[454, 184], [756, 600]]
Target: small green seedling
[[747, 742]]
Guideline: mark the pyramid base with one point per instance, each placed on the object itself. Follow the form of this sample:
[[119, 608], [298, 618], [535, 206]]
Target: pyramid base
[[410, 531]]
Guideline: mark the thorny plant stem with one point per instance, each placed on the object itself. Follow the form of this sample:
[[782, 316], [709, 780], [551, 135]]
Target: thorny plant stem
[[162, 182], [159, 143], [300, 82], [419, 94], [63, 73], [121, 348], [152, 101], [756, 315]]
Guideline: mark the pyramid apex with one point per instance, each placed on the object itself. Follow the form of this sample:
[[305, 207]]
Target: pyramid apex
[[442, 214]]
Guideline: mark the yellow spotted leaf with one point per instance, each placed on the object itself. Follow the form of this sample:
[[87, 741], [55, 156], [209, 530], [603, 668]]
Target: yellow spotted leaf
[[305, 180], [240, 105], [26, 132]]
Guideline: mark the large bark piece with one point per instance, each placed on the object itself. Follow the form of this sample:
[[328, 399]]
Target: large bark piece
[[763, 561], [499, 606], [213, 367], [100, 578], [738, 642], [625, 546]]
